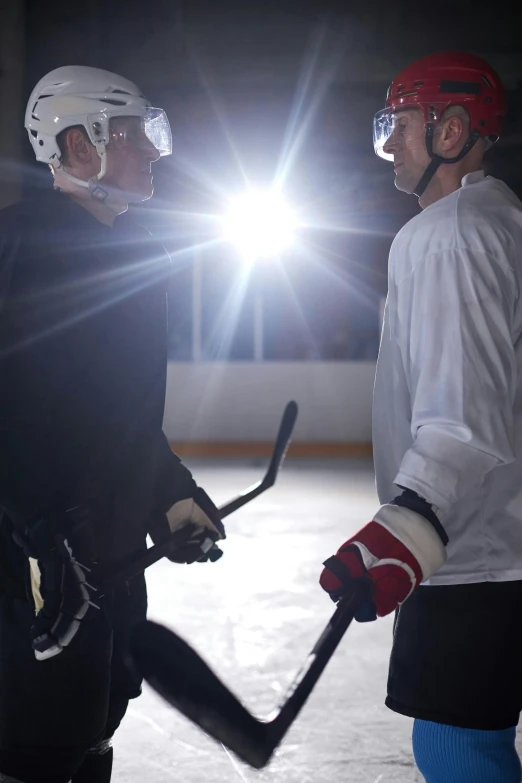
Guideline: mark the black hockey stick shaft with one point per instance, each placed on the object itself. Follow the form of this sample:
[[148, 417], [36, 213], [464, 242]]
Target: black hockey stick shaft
[[178, 673], [307, 677], [154, 553], [281, 444]]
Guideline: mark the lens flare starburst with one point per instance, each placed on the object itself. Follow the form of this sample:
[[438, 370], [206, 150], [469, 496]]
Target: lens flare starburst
[[260, 225]]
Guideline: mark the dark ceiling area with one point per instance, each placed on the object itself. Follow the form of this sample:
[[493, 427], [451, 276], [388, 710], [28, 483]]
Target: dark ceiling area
[[280, 83]]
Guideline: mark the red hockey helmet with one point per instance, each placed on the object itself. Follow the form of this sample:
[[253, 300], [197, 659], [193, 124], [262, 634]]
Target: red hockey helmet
[[437, 82]]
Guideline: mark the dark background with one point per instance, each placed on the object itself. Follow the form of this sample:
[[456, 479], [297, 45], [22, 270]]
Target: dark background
[[252, 82]]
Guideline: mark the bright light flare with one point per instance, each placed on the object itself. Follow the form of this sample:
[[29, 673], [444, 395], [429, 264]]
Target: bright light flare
[[260, 225]]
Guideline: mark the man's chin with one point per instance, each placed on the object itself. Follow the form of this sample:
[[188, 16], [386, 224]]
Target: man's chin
[[404, 183], [139, 193], [140, 189], [131, 195], [142, 195]]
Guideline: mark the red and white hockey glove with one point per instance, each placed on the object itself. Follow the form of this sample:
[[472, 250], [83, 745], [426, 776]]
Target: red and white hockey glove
[[397, 551]]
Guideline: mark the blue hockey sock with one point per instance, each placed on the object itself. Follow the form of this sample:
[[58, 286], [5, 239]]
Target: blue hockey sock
[[447, 754]]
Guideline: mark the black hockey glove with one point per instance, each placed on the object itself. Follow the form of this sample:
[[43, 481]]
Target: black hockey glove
[[205, 528], [62, 545], [180, 503]]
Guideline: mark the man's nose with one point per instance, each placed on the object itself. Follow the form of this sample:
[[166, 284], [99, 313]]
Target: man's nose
[[391, 144]]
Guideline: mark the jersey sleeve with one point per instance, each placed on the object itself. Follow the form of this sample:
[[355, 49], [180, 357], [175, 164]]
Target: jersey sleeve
[[455, 332], [174, 482], [174, 479]]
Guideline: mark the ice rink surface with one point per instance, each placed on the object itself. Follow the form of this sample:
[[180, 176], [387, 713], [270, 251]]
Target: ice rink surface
[[254, 616]]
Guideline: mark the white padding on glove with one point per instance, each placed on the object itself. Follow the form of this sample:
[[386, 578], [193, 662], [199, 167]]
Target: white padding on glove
[[186, 512], [36, 579], [417, 534]]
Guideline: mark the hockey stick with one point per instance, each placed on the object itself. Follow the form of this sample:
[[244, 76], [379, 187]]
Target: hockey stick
[[154, 553], [176, 672], [281, 444]]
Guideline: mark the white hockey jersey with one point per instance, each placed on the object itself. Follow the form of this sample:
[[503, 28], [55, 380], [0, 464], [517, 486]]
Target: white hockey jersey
[[447, 416]]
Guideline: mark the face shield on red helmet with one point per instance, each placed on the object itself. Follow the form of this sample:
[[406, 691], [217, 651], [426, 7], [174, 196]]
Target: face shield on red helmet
[[432, 85]]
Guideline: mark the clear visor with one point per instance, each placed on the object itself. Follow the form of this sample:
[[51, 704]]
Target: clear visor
[[132, 130], [157, 129], [405, 121], [383, 127]]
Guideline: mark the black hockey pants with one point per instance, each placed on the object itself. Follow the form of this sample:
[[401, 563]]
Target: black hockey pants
[[55, 715]]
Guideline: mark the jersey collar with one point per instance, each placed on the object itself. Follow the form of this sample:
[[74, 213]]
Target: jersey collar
[[473, 178]]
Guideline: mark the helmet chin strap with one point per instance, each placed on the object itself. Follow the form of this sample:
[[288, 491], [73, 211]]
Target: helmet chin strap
[[96, 190], [437, 160]]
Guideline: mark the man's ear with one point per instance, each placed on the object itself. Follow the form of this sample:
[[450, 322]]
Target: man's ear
[[451, 134], [79, 148]]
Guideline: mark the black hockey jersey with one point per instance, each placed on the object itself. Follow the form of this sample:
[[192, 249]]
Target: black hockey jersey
[[83, 361]]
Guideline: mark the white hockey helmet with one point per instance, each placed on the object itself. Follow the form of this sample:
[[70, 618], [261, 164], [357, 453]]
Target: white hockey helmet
[[80, 95]]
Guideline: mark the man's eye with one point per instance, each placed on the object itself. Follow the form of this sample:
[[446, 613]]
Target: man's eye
[[399, 126]]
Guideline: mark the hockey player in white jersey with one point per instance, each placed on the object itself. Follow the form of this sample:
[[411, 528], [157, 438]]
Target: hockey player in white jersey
[[447, 430]]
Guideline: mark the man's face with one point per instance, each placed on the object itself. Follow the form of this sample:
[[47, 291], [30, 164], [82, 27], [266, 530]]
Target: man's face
[[129, 157], [407, 145]]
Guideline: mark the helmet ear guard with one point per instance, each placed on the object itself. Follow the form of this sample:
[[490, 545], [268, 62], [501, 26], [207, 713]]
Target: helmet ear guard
[[437, 160], [98, 129]]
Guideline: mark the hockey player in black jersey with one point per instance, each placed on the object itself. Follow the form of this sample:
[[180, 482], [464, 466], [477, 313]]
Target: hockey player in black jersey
[[86, 471]]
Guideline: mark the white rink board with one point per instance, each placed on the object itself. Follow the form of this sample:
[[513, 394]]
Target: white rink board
[[243, 401]]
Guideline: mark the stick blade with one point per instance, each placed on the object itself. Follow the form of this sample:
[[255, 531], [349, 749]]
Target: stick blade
[[176, 671]]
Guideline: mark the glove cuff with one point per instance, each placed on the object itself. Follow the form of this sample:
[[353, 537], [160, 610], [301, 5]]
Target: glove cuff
[[410, 499], [416, 534]]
